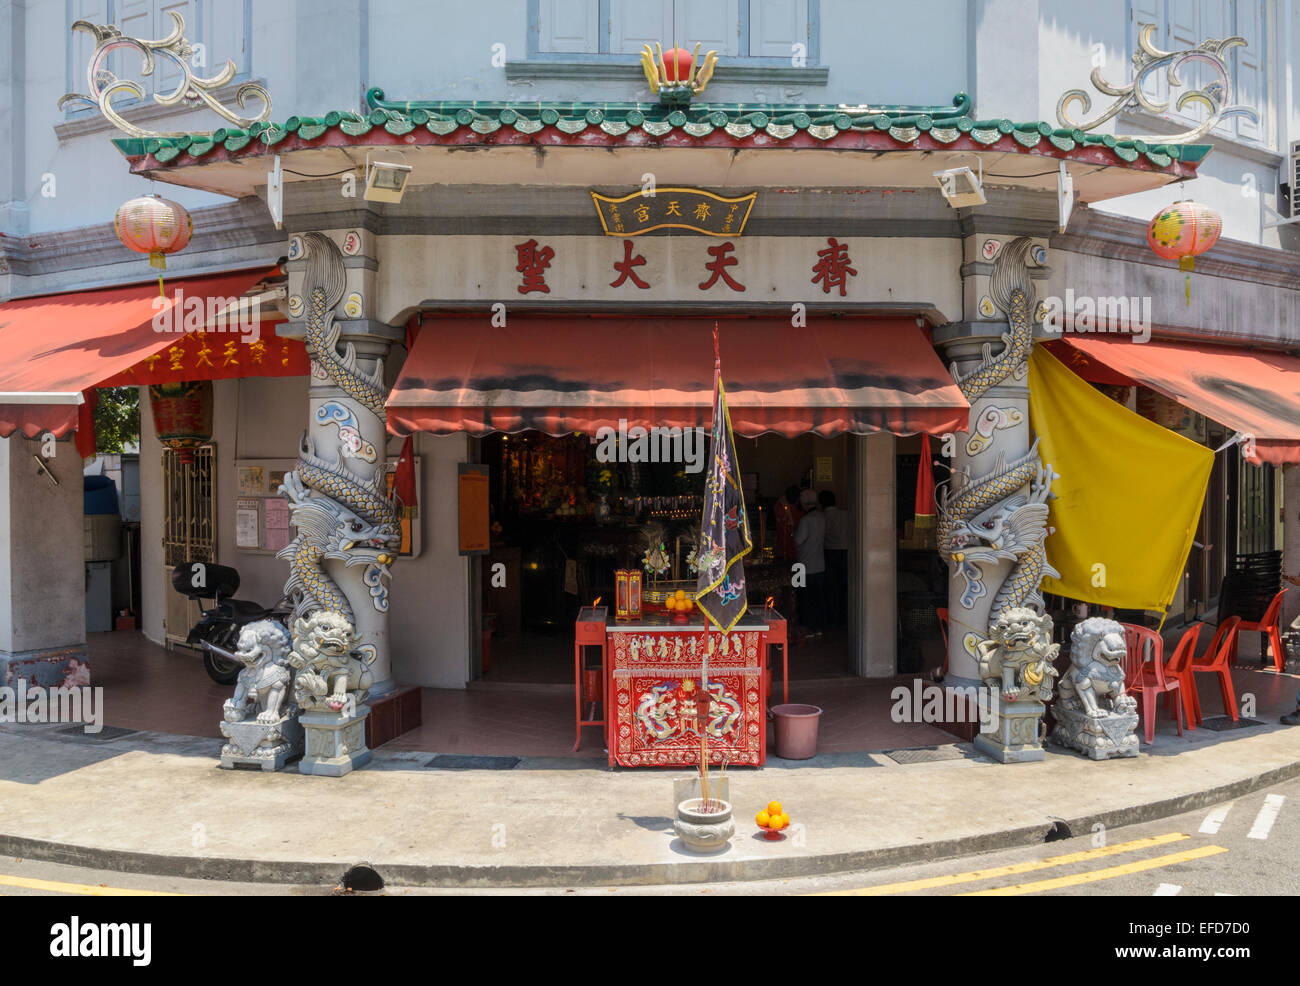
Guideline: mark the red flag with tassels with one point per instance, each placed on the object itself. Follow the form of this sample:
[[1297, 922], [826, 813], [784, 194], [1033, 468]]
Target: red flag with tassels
[[85, 440], [925, 486], [404, 477]]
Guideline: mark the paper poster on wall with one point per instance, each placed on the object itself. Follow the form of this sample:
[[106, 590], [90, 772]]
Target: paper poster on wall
[[250, 480], [824, 470], [275, 524], [248, 516], [473, 502]]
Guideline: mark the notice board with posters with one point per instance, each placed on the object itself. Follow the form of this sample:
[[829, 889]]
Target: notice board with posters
[[262, 515], [474, 523]]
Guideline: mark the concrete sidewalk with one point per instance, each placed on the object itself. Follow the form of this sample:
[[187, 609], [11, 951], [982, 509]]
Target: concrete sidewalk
[[155, 803]]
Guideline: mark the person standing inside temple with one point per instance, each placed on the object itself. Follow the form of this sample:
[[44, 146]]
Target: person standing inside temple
[[810, 546], [837, 560], [787, 515]]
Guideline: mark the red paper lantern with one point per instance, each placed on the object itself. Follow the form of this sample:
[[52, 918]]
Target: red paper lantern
[[1183, 232], [182, 415], [677, 64], [154, 225]]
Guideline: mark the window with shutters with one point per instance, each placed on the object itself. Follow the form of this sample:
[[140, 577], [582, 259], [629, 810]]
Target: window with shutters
[[754, 32], [218, 30], [1183, 24]]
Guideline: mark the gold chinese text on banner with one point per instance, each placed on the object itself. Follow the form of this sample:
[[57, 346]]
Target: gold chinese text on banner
[[1128, 497], [673, 208]]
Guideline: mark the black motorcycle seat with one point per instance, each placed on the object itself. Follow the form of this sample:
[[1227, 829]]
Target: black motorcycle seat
[[244, 610]]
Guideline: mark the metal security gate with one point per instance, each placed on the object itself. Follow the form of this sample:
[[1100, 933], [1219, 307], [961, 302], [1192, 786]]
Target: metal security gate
[[189, 529]]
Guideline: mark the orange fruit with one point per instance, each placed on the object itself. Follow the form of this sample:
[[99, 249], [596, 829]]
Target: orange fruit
[[670, 603], [774, 808], [762, 819], [775, 823], [785, 820], [681, 593]]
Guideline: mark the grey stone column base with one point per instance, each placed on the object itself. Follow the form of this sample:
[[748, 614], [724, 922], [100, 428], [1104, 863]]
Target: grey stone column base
[[268, 745], [48, 667], [1099, 738], [1014, 738], [336, 743]]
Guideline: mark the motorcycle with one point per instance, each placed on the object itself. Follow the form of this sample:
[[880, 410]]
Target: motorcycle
[[217, 632]]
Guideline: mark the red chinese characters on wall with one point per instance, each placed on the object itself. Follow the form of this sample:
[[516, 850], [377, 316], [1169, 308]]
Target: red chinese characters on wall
[[533, 263], [722, 259], [625, 268], [832, 268]]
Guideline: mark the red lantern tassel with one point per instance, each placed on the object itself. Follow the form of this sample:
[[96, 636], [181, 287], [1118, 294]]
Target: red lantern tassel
[[158, 259], [1187, 264]]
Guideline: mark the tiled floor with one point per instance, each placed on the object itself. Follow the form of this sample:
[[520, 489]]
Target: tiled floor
[[147, 687]]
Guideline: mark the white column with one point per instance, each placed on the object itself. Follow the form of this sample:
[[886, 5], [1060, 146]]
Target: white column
[[874, 557], [42, 563]]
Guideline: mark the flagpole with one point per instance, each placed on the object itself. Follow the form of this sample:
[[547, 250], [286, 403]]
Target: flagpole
[[708, 620]]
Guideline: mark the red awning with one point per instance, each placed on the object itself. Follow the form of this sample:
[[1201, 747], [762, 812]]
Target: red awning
[[54, 347], [560, 375], [1253, 392]]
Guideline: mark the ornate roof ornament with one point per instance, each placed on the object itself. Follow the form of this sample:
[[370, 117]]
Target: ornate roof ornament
[[1147, 59], [191, 91], [676, 76]]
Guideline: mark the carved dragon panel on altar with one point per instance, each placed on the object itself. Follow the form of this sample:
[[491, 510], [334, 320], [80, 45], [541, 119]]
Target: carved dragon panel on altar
[[657, 684]]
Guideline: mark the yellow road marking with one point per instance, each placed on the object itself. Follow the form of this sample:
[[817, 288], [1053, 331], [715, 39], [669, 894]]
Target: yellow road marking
[[1010, 870], [1092, 876], [85, 889]]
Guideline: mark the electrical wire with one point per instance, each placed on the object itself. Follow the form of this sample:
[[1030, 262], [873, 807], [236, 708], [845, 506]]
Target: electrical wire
[[331, 174], [1040, 174]]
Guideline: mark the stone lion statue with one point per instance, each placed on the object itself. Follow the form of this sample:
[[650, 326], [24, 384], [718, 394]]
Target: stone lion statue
[[1096, 675], [1018, 654], [331, 670], [264, 681], [1094, 714]]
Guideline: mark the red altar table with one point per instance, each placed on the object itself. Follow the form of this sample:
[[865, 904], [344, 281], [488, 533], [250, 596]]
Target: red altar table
[[655, 676]]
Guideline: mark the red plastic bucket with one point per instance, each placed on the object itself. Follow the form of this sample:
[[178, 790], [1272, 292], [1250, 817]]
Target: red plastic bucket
[[796, 731]]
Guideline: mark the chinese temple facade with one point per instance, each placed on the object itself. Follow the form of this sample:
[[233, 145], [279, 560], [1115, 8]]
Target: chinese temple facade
[[556, 244]]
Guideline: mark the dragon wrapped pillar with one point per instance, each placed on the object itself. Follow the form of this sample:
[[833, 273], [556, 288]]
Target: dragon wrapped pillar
[[993, 508], [346, 530]]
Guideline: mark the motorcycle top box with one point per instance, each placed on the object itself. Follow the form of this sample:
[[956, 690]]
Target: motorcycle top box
[[217, 631]]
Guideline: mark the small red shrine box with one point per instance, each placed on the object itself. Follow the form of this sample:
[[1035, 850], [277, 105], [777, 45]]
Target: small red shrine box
[[627, 594]]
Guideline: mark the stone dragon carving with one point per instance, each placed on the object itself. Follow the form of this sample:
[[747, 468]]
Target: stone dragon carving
[[337, 514], [1094, 713], [986, 519]]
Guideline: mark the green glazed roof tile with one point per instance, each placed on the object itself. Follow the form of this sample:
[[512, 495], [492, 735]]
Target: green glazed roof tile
[[741, 121]]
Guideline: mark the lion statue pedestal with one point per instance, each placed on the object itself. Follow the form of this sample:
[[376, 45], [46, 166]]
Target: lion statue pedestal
[[260, 719], [331, 684], [1094, 714], [1015, 663]]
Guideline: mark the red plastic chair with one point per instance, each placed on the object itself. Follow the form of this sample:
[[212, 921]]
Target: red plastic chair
[[1179, 668], [1269, 627], [1216, 660], [942, 612], [1144, 674]]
